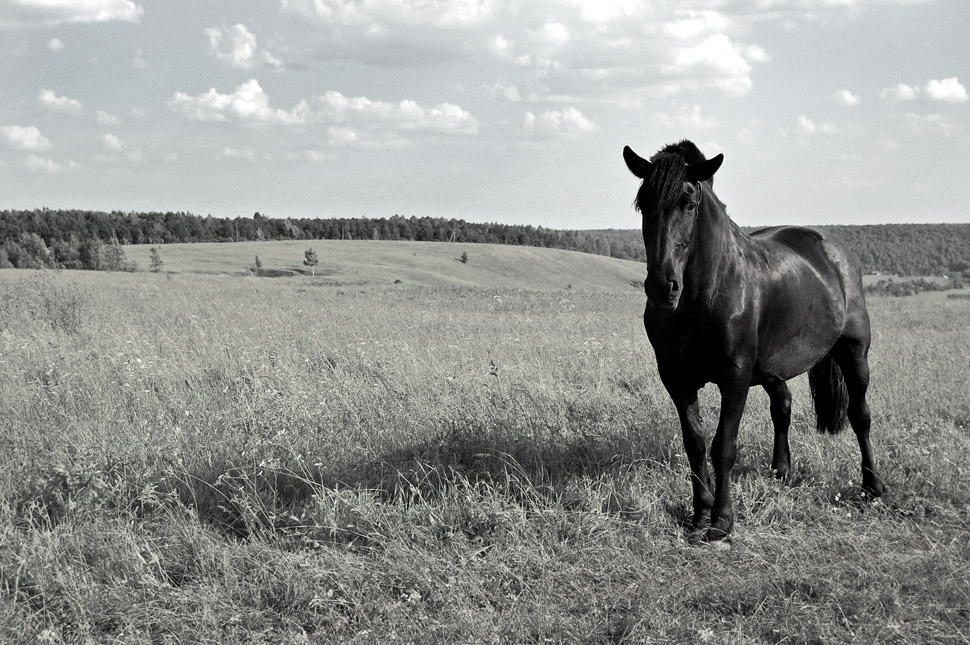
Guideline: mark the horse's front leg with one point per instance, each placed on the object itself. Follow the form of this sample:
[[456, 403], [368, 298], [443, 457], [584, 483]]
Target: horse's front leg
[[724, 452], [695, 444]]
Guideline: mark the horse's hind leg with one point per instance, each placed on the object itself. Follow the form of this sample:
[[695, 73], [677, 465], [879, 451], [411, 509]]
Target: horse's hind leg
[[851, 354], [780, 398]]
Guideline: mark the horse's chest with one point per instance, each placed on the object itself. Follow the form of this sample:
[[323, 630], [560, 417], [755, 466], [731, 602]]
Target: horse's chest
[[702, 355]]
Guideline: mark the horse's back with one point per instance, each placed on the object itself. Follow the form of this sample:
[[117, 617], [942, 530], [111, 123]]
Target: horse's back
[[826, 253]]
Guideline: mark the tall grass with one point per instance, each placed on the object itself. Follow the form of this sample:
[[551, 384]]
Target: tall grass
[[211, 459]]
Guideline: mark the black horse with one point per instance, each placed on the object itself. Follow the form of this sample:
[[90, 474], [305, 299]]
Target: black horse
[[741, 310]]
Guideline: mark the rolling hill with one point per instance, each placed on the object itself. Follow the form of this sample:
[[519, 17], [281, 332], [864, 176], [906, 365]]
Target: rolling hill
[[428, 263]]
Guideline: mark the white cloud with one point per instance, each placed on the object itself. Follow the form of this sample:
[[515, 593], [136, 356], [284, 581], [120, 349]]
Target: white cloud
[[948, 90], [106, 118], [35, 163], [313, 156], [554, 123], [501, 47], [55, 45], [236, 45], [271, 60], [447, 117], [574, 47], [846, 98], [509, 92], [719, 62], [692, 24], [689, 118], [24, 138], [552, 34], [899, 92], [60, 104], [604, 10], [809, 127], [246, 154], [111, 143], [404, 115], [115, 146], [368, 13], [922, 126], [249, 104], [753, 53], [342, 136], [52, 12]]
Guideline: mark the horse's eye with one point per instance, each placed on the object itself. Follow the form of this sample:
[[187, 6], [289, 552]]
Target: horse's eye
[[692, 206]]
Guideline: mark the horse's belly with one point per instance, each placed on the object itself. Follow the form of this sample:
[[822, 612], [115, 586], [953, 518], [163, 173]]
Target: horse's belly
[[793, 349]]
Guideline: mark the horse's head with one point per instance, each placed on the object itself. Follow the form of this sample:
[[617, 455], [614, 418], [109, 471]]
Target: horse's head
[[669, 200]]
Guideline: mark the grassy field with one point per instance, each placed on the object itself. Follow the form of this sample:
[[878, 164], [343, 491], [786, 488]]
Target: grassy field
[[223, 459]]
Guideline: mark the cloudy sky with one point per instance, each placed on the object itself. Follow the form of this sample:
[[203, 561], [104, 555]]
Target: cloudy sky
[[827, 111]]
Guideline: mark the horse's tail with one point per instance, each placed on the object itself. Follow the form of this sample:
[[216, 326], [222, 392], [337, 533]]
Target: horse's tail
[[829, 394]]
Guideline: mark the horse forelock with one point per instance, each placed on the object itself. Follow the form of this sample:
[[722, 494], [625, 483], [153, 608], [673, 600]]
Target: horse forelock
[[668, 174], [686, 149]]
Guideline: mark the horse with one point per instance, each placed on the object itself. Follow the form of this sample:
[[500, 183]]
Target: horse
[[740, 311]]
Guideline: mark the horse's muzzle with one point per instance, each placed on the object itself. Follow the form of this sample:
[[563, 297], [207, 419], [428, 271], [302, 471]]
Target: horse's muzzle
[[662, 294]]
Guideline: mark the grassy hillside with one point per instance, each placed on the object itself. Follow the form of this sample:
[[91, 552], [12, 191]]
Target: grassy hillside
[[217, 459], [427, 263]]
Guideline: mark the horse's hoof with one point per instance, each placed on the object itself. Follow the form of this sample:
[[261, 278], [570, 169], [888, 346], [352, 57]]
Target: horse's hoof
[[876, 489]]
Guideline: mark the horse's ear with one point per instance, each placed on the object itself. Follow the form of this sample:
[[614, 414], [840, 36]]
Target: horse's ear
[[704, 170], [637, 164]]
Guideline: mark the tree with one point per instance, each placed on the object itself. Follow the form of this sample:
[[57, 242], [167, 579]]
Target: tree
[[114, 257], [91, 254], [464, 257], [310, 260], [258, 267], [156, 260]]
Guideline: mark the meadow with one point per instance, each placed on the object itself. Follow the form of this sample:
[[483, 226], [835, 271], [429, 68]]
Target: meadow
[[216, 458]]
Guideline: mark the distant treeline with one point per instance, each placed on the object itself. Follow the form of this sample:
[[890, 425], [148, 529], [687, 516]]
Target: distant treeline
[[901, 249], [79, 239], [890, 287]]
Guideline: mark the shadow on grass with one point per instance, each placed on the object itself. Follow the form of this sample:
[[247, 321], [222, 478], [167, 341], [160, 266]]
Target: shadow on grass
[[526, 472]]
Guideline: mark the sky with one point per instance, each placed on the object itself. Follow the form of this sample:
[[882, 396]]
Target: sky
[[827, 111]]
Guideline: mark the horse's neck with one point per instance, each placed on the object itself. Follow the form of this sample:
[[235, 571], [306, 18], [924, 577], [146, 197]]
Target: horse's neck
[[714, 257]]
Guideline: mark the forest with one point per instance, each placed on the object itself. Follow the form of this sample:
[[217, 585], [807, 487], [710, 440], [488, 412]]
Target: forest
[[81, 239]]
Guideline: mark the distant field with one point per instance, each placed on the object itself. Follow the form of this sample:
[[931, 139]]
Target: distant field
[[474, 455], [425, 263]]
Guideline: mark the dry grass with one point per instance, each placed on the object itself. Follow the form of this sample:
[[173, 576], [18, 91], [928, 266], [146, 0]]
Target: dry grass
[[201, 459]]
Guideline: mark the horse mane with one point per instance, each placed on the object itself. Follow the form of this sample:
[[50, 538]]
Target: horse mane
[[667, 176]]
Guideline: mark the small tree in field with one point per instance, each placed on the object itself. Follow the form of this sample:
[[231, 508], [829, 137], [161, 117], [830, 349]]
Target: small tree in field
[[155, 263], [310, 260], [464, 257], [258, 267]]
